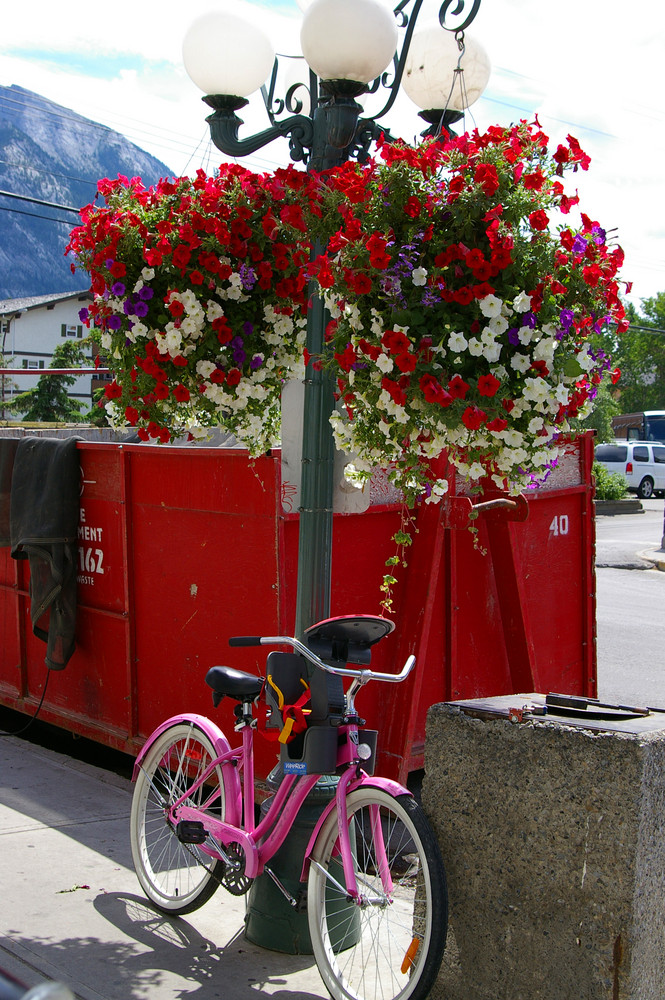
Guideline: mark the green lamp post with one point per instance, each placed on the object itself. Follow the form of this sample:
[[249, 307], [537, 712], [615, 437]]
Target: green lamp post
[[348, 46]]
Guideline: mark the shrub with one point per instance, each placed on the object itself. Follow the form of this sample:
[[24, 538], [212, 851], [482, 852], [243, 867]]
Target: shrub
[[609, 485]]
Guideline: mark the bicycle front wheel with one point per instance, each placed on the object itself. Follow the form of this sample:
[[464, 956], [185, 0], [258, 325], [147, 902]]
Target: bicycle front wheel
[[177, 877], [391, 944]]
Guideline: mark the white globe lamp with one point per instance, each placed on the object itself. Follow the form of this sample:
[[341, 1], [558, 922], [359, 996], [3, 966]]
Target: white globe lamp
[[348, 39], [226, 54], [429, 72]]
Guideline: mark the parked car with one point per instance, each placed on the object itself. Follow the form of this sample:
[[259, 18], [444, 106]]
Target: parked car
[[641, 462]]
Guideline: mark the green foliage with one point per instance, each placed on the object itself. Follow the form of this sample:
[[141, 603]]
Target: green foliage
[[48, 401], [609, 485], [641, 358], [606, 406]]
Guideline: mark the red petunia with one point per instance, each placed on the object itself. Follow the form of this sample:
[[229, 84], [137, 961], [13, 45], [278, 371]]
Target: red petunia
[[346, 358], [113, 390], [457, 387], [412, 207], [473, 418], [498, 424], [488, 385], [406, 362], [395, 391], [395, 341], [433, 391], [539, 220], [486, 177], [181, 393]]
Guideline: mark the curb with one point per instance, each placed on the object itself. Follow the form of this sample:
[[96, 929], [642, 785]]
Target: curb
[[611, 507]]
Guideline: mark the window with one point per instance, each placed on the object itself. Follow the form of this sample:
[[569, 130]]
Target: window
[[71, 330], [640, 453], [32, 364], [611, 452], [659, 455], [4, 326]]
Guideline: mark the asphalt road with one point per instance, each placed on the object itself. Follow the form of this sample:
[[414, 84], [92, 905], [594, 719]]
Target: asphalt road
[[630, 608]]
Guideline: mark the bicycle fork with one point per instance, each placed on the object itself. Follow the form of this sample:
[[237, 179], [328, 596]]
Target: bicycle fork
[[352, 878]]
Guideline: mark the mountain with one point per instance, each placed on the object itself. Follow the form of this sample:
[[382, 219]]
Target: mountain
[[51, 154]]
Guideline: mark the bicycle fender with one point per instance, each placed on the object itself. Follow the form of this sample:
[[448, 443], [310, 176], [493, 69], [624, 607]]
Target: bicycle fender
[[364, 781], [219, 741]]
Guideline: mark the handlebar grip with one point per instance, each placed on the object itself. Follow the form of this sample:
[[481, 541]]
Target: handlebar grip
[[245, 640]]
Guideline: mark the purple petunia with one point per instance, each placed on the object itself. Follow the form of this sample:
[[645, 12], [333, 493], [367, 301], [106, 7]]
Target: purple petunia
[[146, 293], [256, 362], [118, 288], [247, 277], [114, 322]]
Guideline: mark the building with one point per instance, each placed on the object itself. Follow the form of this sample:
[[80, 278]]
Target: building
[[30, 329]]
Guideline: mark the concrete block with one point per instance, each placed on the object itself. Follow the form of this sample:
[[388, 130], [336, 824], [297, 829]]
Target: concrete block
[[553, 839]]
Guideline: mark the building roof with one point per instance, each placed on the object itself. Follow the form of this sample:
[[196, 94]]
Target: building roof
[[8, 306]]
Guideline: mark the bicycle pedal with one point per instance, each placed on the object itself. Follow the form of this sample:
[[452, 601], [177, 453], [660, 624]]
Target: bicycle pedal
[[301, 901], [190, 832]]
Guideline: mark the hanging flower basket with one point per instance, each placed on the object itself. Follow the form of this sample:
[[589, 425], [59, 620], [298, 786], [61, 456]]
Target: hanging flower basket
[[463, 304], [199, 300]]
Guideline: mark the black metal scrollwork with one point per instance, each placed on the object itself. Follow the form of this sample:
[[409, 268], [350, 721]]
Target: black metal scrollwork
[[460, 6]]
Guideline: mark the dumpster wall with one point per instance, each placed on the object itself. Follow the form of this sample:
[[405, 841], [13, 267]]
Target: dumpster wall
[[180, 548]]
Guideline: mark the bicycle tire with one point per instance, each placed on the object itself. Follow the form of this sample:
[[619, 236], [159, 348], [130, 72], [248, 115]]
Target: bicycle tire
[[176, 877], [390, 949]]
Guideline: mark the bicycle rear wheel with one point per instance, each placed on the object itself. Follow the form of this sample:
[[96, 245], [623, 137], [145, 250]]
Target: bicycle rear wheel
[[175, 876], [391, 946]]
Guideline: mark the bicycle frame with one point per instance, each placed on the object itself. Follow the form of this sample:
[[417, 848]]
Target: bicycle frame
[[260, 843]]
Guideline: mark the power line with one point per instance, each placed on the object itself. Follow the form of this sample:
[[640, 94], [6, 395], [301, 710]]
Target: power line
[[36, 215], [39, 201]]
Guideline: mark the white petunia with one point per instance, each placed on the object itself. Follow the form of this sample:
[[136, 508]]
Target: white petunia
[[490, 306], [419, 276], [522, 303], [520, 362], [457, 342], [384, 363]]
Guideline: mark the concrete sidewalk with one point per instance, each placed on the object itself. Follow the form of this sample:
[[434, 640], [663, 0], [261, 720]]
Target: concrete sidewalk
[[72, 909]]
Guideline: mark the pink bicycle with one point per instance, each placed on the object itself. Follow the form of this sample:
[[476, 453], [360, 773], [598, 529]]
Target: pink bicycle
[[373, 882]]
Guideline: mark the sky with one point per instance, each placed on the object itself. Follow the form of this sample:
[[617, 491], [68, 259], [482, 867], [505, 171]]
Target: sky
[[591, 68]]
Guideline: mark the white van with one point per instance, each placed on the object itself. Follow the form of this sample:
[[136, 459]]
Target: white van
[[641, 462]]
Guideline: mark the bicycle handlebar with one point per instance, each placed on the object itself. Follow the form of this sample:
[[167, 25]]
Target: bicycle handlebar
[[300, 647]]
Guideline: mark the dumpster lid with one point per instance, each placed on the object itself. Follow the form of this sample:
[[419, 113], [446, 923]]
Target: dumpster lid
[[569, 710]]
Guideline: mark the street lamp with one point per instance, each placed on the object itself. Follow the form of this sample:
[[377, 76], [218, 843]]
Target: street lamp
[[348, 46]]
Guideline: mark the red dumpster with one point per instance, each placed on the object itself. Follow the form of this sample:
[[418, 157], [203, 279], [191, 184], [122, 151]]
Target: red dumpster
[[179, 548]]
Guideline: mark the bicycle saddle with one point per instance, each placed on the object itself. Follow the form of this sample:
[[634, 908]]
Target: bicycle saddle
[[227, 681]]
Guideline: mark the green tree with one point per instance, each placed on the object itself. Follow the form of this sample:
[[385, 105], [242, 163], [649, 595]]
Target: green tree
[[7, 384], [48, 401], [640, 354]]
